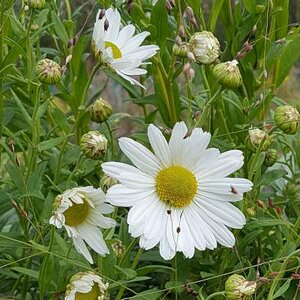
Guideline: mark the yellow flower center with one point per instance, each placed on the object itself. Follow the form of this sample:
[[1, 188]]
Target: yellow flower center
[[176, 186], [77, 213], [92, 295], [115, 50]]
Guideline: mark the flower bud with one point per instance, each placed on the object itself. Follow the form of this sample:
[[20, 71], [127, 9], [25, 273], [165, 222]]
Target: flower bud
[[238, 288], [100, 111], [119, 248], [205, 47], [292, 190], [86, 285], [94, 145], [228, 74], [106, 182], [287, 118], [181, 50], [37, 4], [271, 157], [257, 136], [48, 71]]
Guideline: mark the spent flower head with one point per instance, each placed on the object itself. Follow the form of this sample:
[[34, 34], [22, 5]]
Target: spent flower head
[[80, 211], [86, 286], [205, 47], [238, 288]]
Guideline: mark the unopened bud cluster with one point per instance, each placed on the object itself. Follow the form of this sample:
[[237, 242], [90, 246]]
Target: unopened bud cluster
[[36, 4], [94, 145], [287, 118], [100, 111], [259, 138], [238, 288], [48, 71], [228, 74]]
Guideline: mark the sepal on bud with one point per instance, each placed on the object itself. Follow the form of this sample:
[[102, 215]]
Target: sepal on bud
[[271, 157], [100, 111], [106, 182], [228, 74], [48, 71], [287, 118], [238, 288], [94, 145]]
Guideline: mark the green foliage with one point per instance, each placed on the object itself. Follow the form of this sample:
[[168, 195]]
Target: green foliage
[[41, 127]]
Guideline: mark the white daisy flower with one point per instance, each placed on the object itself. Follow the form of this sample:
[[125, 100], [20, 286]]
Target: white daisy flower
[[80, 211], [87, 286], [180, 195], [119, 47]]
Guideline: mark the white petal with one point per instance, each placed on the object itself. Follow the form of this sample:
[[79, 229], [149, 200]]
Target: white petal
[[177, 142], [93, 236], [137, 181], [115, 169], [121, 196], [140, 156], [134, 42], [222, 234], [159, 145], [99, 220], [131, 80], [124, 35], [82, 248], [222, 212], [225, 185], [114, 20]]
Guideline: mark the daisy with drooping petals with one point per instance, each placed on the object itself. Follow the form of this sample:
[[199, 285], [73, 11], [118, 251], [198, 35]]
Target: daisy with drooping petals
[[119, 47], [180, 195], [80, 211], [86, 286]]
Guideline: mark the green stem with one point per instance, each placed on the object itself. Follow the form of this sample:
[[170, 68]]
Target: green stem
[[44, 269], [133, 266], [175, 274], [212, 296], [68, 9], [111, 138], [280, 275], [1, 76], [167, 90]]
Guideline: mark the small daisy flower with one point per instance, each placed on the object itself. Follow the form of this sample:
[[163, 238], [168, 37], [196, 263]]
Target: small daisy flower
[[86, 286], [119, 47], [180, 196], [80, 211]]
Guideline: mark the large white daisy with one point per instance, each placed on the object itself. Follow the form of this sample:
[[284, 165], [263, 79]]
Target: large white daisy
[[80, 211], [86, 286], [180, 195], [119, 47]]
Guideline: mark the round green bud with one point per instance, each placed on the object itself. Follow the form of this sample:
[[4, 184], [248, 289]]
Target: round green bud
[[271, 157], [292, 190], [287, 118], [106, 182], [181, 50], [258, 136], [100, 111], [228, 74], [238, 288], [48, 71], [205, 47], [37, 4], [94, 145]]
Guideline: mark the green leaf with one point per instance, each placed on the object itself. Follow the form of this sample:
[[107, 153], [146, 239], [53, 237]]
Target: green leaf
[[129, 273], [214, 14], [31, 273], [159, 18], [282, 289], [250, 6], [59, 28], [151, 294], [52, 143]]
